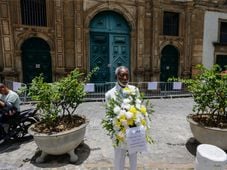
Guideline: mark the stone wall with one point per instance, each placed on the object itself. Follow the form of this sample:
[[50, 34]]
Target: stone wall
[[67, 33]]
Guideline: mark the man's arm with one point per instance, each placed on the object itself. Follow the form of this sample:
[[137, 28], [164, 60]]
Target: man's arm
[[2, 104]]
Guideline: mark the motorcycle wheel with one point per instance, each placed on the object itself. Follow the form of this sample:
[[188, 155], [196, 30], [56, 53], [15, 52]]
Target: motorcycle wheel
[[22, 129]]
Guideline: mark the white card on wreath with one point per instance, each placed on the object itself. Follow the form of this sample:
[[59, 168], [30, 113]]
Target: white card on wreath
[[136, 139]]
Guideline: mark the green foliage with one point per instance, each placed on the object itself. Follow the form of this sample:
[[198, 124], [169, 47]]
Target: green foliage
[[62, 96], [209, 90]]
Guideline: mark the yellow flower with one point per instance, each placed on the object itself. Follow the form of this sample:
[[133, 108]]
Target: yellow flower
[[130, 122], [127, 90], [123, 130], [118, 123], [143, 122], [143, 109], [122, 117], [133, 109], [134, 116]]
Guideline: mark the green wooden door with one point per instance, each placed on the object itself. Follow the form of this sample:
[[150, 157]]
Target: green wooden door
[[109, 45], [169, 63], [36, 60]]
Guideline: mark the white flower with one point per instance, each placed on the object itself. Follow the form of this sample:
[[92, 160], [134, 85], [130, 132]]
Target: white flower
[[122, 113], [133, 91], [138, 101], [117, 109], [137, 121], [126, 90], [128, 115], [126, 101], [138, 105], [125, 106], [124, 123]]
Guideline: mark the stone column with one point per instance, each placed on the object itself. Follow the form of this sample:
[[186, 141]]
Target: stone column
[[147, 42], [59, 38], [80, 60], [69, 34], [157, 26], [197, 41], [186, 69], [140, 40]]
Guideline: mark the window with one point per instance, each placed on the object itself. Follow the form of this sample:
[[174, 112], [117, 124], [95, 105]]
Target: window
[[171, 24], [223, 32], [33, 12]]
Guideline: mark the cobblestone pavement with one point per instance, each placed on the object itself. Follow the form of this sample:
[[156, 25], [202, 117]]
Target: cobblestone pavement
[[174, 146]]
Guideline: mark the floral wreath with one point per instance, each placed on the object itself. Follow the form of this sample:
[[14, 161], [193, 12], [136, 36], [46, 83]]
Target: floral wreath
[[127, 110]]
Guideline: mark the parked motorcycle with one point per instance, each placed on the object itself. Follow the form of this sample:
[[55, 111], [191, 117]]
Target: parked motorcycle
[[17, 125]]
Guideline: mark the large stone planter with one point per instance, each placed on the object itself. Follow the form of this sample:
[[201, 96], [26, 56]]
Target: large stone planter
[[59, 143], [208, 135]]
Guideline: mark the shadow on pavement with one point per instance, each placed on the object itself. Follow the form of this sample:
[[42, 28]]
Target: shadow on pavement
[[14, 144], [54, 161], [191, 145]]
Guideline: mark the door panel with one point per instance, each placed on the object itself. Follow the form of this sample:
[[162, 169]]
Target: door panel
[[99, 57], [119, 52]]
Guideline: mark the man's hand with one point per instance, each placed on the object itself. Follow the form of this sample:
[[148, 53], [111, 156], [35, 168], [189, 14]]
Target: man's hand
[[2, 104]]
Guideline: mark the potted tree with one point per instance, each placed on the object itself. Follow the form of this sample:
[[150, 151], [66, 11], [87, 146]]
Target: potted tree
[[60, 131], [208, 123]]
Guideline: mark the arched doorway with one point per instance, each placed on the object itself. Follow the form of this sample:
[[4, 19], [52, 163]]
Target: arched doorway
[[109, 45], [169, 63], [36, 59]]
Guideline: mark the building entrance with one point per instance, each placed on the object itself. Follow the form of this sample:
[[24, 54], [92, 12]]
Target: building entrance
[[169, 63], [109, 45], [36, 60]]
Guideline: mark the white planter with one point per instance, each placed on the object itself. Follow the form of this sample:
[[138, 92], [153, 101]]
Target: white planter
[[210, 157], [59, 143], [208, 135]]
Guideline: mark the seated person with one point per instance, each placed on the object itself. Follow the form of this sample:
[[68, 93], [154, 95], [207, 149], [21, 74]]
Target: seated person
[[9, 102]]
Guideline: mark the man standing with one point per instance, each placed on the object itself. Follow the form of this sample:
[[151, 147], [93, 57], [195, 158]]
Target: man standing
[[122, 75]]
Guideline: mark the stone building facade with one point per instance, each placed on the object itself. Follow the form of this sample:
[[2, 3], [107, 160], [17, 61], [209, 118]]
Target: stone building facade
[[156, 39]]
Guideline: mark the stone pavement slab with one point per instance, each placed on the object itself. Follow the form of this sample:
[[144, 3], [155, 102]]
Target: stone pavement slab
[[174, 146]]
